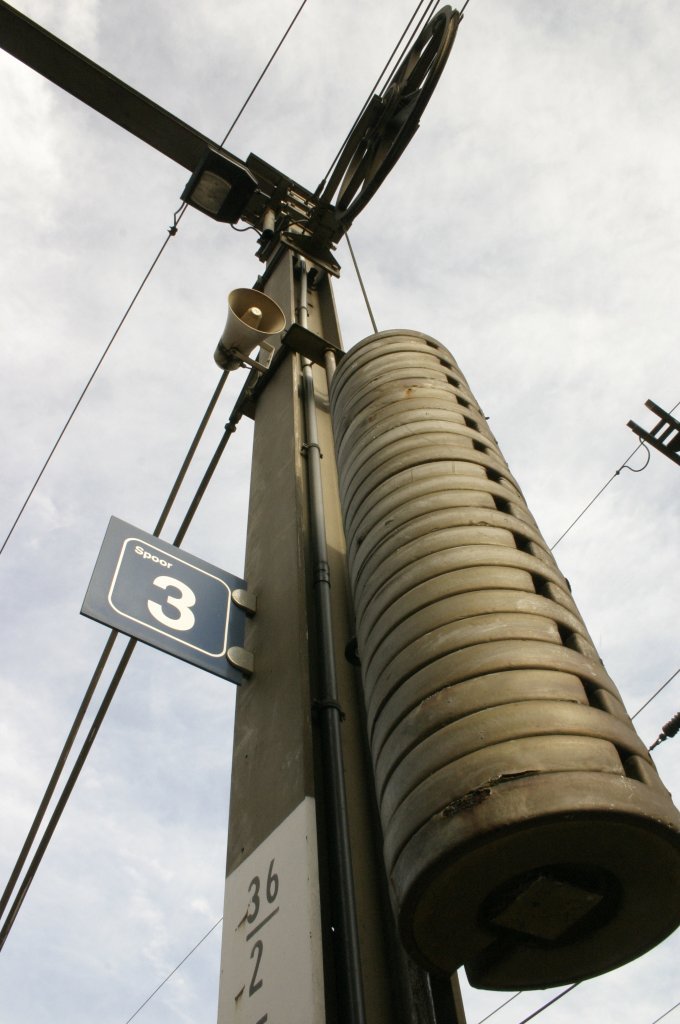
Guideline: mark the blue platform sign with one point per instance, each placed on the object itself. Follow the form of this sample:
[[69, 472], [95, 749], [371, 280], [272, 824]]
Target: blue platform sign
[[165, 597]]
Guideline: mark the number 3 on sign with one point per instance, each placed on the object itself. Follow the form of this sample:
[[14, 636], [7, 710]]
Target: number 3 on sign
[[184, 619]]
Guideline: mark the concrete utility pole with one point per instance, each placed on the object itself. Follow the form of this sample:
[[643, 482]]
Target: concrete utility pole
[[286, 931]]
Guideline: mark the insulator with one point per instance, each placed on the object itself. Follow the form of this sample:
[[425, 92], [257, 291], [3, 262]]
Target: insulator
[[527, 835], [672, 728]]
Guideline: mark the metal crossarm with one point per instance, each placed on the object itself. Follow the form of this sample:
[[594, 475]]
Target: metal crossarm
[[665, 436]]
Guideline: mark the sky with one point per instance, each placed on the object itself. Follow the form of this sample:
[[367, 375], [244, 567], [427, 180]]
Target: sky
[[532, 226]]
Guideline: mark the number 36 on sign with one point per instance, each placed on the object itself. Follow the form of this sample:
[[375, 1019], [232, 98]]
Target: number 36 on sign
[[271, 949]]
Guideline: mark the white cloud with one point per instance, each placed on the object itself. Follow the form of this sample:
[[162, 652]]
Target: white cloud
[[532, 226]]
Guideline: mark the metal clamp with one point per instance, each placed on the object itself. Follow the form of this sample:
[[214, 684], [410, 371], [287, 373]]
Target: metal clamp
[[241, 659], [304, 448], [324, 705], [246, 600]]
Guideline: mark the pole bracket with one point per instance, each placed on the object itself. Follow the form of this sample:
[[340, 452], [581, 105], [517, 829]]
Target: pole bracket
[[304, 448], [241, 659], [246, 600]]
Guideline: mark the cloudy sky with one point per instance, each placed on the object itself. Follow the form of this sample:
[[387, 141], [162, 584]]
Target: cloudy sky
[[533, 226]]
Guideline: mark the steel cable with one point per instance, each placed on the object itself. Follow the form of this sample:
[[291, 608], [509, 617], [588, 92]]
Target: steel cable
[[656, 694], [361, 284], [229, 429], [431, 4], [264, 72], [173, 971], [623, 466], [51, 786], [108, 647], [172, 231]]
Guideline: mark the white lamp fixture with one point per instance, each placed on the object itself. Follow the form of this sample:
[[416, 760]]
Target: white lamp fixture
[[220, 186]]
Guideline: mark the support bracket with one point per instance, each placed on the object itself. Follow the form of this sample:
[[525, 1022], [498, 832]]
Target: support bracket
[[241, 659]]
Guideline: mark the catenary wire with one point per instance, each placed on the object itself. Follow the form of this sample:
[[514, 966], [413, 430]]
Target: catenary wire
[[425, 16], [624, 465], [172, 231], [361, 283], [570, 989], [108, 647], [656, 694], [173, 971], [545, 1006], [65, 794], [493, 1012], [51, 786], [229, 429], [431, 4], [264, 72], [171, 234], [666, 1013]]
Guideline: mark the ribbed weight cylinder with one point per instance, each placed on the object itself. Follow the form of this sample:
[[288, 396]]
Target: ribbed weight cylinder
[[527, 834]]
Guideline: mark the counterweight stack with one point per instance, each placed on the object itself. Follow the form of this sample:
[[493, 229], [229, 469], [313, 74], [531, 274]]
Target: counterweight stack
[[527, 834]]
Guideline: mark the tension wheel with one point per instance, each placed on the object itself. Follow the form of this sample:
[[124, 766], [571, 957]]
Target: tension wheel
[[390, 120]]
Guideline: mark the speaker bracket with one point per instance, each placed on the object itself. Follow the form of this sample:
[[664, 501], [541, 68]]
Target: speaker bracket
[[261, 367]]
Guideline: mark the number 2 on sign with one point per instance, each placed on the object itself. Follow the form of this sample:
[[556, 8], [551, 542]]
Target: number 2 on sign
[[257, 895], [183, 604]]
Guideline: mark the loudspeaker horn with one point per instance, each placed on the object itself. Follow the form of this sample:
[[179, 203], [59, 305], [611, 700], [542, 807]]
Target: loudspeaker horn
[[253, 318]]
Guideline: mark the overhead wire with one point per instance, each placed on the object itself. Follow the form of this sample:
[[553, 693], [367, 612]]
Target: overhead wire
[[666, 1013], [555, 999], [65, 794], [624, 465], [264, 72], [550, 1002], [361, 284], [430, 5], [229, 429], [174, 971], [494, 1012], [566, 992], [656, 693], [108, 647], [171, 232], [675, 720], [425, 16]]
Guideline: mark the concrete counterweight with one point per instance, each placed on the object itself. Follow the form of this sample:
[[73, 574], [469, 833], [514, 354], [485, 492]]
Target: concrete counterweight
[[527, 834]]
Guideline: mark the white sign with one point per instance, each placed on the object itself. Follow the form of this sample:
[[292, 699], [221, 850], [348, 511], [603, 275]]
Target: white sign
[[272, 967]]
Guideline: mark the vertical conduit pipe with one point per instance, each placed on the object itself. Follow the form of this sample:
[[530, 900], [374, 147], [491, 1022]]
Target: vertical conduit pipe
[[339, 849], [527, 833]]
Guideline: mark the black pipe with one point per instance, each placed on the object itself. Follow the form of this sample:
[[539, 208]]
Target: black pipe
[[339, 850]]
